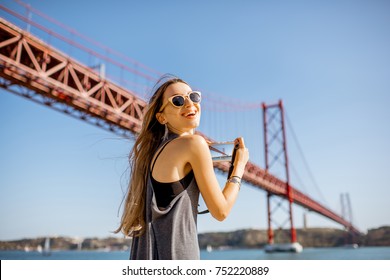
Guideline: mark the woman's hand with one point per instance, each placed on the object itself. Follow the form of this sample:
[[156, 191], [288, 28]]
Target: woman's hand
[[242, 155]]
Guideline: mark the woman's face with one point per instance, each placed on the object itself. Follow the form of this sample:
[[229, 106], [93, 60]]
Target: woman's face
[[179, 120]]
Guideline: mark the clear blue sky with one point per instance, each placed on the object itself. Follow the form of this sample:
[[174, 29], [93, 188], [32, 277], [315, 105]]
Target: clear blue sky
[[329, 61]]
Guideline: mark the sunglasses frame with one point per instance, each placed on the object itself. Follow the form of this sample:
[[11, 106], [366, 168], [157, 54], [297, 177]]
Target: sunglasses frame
[[170, 99]]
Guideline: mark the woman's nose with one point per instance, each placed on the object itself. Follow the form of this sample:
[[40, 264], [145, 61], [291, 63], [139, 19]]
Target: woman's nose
[[188, 102]]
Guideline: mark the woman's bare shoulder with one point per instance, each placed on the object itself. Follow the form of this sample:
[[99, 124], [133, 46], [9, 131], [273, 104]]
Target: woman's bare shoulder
[[190, 144], [193, 149], [193, 140]]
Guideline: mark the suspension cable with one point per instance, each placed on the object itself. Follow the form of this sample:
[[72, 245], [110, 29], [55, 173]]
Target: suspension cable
[[305, 161]]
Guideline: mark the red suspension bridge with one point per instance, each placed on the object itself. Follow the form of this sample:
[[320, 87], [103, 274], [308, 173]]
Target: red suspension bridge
[[36, 70]]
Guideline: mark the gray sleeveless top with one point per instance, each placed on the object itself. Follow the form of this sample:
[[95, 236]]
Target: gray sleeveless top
[[171, 233]]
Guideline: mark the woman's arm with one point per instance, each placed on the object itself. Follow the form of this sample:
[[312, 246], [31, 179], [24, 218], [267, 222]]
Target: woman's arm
[[219, 202]]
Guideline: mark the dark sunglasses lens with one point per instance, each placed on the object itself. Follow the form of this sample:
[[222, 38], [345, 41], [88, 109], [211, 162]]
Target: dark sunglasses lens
[[195, 97], [178, 101]]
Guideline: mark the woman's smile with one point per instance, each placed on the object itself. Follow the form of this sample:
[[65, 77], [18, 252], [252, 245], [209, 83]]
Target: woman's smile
[[190, 114]]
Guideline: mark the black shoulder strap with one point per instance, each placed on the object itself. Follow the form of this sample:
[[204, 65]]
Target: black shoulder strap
[[203, 212], [159, 152]]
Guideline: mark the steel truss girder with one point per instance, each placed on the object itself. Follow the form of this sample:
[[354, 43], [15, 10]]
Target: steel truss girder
[[61, 107], [27, 61]]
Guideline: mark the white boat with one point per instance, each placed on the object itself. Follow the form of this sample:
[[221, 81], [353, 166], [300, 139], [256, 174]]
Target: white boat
[[209, 248], [39, 249], [351, 246], [46, 248], [284, 247]]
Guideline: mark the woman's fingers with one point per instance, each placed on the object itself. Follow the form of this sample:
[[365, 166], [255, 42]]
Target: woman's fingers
[[240, 142]]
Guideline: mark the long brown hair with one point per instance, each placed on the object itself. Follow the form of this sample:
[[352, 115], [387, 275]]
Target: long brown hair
[[133, 217]]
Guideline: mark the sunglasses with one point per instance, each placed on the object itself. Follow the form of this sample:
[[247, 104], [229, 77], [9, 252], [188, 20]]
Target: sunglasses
[[178, 100]]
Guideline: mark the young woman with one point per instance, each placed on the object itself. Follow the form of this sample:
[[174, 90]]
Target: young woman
[[170, 166]]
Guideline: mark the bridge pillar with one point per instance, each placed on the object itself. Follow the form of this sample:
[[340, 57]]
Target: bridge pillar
[[270, 231]]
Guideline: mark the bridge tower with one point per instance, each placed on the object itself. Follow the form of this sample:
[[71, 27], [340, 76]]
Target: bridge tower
[[276, 161]]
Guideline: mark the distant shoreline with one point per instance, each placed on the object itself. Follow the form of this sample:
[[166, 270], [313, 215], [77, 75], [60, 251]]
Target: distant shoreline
[[245, 238]]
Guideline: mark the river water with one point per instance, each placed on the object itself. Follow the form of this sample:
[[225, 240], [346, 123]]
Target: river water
[[363, 253]]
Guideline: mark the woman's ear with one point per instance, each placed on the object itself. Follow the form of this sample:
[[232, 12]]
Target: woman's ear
[[160, 118]]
